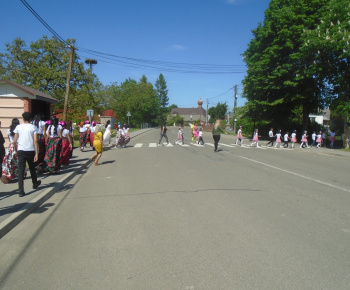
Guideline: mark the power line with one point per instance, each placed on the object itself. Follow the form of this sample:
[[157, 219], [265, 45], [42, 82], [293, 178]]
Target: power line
[[144, 63], [44, 22]]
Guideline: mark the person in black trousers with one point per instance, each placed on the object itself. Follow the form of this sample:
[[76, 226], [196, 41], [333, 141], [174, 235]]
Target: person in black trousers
[[216, 134], [271, 137], [2, 147], [26, 147], [163, 134]]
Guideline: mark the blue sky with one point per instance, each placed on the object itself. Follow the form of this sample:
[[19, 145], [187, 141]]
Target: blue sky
[[214, 32]]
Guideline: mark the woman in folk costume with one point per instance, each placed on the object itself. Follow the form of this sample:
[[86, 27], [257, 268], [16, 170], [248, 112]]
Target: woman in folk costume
[[10, 161], [40, 127], [126, 134], [82, 135], [69, 126], [92, 130], [120, 140], [107, 134], [88, 139], [98, 145], [67, 145], [54, 146]]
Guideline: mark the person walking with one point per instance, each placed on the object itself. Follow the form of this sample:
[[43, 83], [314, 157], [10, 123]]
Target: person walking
[[304, 140], [216, 134], [286, 140], [239, 136], [271, 138], [82, 135], [179, 137], [332, 139], [195, 132], [2, 146], [10, 161], [278, 139], [313, 137], [200, 134], [40, 126], [26, 147], [319, 139], [67, 145], [54, 146], [163, 130], [256, 138], [98, 145], [107, 135], [126, 134], [294, 138]]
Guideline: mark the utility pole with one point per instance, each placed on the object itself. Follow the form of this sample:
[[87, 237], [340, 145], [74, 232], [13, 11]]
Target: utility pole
[[68, 82], [234, 110]]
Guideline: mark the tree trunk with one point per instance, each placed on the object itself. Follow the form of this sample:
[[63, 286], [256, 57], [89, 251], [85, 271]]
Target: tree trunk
[[306, 113]]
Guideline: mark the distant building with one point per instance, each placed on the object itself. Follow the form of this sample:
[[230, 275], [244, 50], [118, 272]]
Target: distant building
[[15, 99], [190, 114], [322, 118]]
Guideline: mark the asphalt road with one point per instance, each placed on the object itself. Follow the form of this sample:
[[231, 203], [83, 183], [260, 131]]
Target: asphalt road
[[185, 217]]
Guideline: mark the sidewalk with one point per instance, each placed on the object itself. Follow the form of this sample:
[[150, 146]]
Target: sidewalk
[[13, 209]]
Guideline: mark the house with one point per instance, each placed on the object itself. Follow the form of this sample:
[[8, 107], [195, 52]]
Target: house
[[322, 118], [190, 114], [15, 99]]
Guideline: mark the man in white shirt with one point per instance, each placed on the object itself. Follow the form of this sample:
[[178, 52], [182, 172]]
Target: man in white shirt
[[26, 147]]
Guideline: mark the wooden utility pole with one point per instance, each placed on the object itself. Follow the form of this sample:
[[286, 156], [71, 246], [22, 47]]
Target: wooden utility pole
[[234, 110], [68, 82]]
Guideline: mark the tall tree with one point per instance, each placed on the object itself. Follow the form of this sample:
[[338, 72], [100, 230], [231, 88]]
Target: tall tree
[[329, 43], [277, 80], [138, 98], [217, 112], [162, 91]]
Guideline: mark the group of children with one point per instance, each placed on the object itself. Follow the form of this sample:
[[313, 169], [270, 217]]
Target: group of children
[[316, 138], [197, 136]]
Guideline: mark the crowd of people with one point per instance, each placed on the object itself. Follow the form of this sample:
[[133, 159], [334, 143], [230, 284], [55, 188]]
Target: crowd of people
[[318, 139], [47, 146]]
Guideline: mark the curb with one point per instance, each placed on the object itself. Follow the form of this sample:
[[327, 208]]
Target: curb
[[13, 220]]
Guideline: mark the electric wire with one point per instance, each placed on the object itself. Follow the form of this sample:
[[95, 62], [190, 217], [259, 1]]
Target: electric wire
[[44, 22], [144, 63]]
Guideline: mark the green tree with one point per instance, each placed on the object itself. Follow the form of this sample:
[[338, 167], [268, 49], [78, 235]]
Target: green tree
[[162, 92], [277, 78], [217, 112], [138, 98], [328, 44], [44, 66]]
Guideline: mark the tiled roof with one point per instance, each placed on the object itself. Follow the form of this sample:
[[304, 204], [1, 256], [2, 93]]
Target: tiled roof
[[35, 93], [188, 111]]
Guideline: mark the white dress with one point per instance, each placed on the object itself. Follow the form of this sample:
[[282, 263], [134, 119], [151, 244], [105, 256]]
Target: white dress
[[107, 135]]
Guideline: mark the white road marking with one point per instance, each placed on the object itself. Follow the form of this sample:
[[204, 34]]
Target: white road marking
[[296, 174]]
